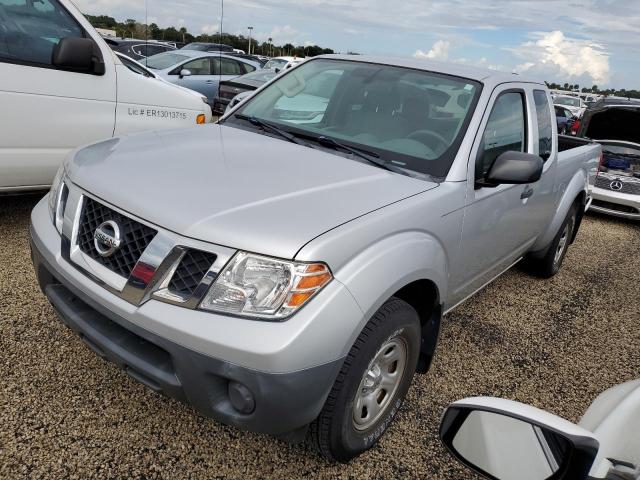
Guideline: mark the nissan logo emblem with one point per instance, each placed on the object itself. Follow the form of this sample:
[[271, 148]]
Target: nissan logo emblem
[[616, 185], [106, 238]]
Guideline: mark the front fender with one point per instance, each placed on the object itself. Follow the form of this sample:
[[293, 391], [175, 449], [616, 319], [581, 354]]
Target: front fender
[[379, 271], [577, 185]]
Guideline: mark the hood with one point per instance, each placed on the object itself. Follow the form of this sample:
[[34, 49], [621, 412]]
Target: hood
[[613, 123], [236, 188]]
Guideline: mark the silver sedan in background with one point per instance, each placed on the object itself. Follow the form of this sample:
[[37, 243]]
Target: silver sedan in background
[[199, 71]]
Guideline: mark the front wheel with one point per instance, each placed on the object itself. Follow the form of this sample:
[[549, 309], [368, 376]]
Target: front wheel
[[371, 385]]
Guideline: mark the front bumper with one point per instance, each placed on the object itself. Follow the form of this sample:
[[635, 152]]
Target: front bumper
[[278, 403], [623, 205]]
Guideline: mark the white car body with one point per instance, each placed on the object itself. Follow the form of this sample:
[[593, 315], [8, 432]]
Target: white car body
[[53, 111], [283, 63], [567, 100]]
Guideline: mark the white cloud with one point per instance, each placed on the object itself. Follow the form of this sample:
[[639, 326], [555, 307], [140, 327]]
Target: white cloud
[[439, 51], [281, 34], [565, 57], [210, 29]]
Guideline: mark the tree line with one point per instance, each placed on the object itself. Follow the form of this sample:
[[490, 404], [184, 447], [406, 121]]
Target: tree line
[[594, 89], [130, 28]]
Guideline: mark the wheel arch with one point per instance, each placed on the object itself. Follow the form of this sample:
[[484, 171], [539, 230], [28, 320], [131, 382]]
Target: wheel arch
[[424, 297], [575, 191], [412, 266]]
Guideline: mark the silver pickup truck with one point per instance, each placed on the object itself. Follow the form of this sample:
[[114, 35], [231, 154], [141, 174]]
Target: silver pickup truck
[[286, 270]]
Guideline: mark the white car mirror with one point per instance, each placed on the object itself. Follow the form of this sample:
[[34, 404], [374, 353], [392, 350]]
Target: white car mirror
[[505, 440], [185, 73]]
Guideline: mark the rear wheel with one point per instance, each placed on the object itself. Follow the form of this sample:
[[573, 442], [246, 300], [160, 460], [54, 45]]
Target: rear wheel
[[371, 385], [549, 265]]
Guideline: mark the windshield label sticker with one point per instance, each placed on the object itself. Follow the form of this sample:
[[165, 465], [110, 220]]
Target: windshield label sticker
[[468, 86], [156, 113]]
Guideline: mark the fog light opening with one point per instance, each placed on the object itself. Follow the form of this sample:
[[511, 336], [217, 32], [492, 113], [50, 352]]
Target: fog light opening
[[241, 398]]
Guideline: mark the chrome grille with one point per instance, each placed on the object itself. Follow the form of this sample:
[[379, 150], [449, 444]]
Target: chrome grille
[[632, 187], [193, 266], [135, 237]]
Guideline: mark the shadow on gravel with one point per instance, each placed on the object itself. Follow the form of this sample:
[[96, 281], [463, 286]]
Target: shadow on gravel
[[15, 205]]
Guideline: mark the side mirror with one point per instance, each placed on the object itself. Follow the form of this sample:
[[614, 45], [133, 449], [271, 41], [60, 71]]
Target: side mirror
[[515, 168], [185, 73], [78, 55], [505, 440]]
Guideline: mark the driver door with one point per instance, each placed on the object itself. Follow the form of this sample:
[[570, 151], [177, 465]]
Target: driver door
[[496, 230]]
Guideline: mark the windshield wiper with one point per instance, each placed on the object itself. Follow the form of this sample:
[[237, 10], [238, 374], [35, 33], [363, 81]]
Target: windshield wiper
[[370, 157], [267, 126]]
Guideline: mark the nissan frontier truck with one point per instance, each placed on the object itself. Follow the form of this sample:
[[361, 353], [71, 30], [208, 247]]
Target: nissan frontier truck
[[287, 271]]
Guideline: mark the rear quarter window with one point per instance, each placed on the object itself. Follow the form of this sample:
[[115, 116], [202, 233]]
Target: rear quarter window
[[545, 131]]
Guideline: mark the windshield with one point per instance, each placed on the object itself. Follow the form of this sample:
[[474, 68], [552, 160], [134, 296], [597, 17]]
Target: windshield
[[572, 102], [411, 118], [164, 60], [276, 63]]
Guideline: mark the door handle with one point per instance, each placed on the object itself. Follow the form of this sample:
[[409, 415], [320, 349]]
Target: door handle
[[210, 82], [528, 191]]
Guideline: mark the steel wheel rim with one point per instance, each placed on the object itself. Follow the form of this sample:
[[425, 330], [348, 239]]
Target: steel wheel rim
[[379, 384], [562, 244]]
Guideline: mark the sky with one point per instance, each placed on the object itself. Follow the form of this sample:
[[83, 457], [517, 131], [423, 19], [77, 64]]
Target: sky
[[585, 42]]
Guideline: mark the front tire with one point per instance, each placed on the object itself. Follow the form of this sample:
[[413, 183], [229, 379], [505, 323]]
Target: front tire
[[371, 385]]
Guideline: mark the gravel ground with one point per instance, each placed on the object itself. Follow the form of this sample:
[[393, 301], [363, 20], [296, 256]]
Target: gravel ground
[[64, 413]]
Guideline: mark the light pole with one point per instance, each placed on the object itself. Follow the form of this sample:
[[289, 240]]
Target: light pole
[[270, 47], [250, 28]]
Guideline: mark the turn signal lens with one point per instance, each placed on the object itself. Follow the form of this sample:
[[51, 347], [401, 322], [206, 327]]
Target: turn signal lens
[[201, 119], [315, 281], [297, 299], [314, 277]]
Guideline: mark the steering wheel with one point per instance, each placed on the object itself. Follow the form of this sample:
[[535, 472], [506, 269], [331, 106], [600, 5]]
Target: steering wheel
[[427, 137]]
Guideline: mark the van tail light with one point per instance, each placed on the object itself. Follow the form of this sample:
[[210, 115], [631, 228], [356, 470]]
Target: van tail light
[[201, 119]]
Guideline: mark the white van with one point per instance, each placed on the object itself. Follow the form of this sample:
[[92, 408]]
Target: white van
[[61, 86]]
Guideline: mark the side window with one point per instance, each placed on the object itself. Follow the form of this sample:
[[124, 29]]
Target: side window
[[29, 30], [505, 131], [200, 66], [229, 67], [247, 68], [545, 143]]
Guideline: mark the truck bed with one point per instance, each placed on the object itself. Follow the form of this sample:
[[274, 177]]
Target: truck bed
[[566, 142]]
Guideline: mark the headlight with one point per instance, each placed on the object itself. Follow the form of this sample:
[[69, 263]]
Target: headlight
[[58, 198], [256, 286]]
